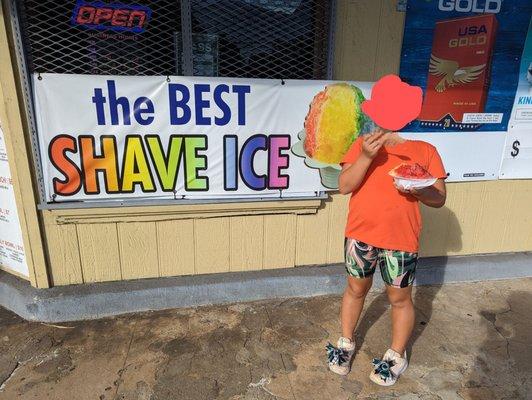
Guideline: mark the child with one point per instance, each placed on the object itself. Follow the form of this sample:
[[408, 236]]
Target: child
[[383, 229]]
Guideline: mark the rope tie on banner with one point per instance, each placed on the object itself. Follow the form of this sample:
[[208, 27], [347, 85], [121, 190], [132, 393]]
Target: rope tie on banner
[[39, 77], [176, 196], [167, 78], [282, 81]]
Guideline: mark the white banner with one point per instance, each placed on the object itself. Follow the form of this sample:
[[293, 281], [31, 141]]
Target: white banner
[[12, 254], [119, 137]]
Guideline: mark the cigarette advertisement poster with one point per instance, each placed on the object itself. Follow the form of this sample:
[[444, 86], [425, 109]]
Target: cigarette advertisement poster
[[517, 156], [465, 54], [12, 255]]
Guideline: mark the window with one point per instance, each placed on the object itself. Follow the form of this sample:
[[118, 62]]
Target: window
[[286, 39]]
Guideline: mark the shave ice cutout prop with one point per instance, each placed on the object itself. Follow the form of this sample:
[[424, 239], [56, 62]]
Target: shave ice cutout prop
[[333, 123], [340, 113]]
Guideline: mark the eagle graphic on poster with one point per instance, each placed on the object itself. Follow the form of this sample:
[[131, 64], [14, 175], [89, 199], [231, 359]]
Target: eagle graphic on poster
[[452, 73]]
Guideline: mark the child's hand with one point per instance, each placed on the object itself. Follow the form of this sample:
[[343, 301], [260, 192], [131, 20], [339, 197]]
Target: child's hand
[[372, 144]]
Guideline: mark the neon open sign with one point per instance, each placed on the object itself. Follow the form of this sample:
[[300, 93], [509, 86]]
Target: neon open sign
[[116, 16]]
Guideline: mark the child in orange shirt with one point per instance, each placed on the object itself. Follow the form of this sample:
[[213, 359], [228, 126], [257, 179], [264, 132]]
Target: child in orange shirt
[[383, 228]]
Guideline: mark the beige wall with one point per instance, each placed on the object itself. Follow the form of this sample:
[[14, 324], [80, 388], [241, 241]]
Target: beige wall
[[126, 243]]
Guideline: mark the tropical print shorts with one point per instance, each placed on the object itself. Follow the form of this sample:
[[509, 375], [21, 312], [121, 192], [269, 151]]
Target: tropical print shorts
[[397, 267]]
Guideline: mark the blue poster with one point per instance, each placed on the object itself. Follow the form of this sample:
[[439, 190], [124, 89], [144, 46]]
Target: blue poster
[[465, 54]]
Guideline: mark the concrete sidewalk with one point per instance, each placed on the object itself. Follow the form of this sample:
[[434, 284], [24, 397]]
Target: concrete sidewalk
[[472, 341]]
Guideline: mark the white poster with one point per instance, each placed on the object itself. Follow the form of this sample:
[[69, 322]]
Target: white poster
[[11, 246], [517, 156], [120, 137]]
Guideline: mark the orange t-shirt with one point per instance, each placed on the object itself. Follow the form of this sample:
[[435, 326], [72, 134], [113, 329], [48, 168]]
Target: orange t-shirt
[[379, 214]]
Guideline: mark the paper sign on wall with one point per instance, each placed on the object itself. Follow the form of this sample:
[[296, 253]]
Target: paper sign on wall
[[517, 156], [12, 254]]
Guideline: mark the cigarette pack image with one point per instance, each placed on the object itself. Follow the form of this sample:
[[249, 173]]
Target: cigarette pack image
[[459, 70]]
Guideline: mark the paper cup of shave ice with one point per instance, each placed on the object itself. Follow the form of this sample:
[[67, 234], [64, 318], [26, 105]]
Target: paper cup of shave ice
[[414, 183], [329, 173], [404, 176]]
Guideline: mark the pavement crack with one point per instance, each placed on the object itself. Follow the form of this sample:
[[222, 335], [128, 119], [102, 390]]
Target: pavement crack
[[291, 387], [246, 340], [494, 323], [282, 303], [4, 382], [287, 376], [269, 318], [124, 365]]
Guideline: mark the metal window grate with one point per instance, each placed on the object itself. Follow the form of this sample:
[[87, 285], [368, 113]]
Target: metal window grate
[[286, 39], [265, 39]]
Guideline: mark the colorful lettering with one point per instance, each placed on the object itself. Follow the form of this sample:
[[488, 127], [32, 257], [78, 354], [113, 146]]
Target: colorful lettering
[[59, 146], [166, 167], [231, 162], [247, 155], [135, 170], [105, 163], [278, 161], [195, 163]]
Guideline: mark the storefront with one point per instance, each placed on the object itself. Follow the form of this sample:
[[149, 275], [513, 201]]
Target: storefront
[[128, 80]]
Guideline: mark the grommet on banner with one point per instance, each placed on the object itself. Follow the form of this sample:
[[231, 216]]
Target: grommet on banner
[[39, 77], [54, 195], [167, 78], [282, 81]]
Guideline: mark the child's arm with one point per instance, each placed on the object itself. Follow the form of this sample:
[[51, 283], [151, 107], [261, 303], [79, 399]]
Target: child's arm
[[432, 196], [352, 175]]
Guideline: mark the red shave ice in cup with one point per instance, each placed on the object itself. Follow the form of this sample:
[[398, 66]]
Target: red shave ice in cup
[[412, 176]]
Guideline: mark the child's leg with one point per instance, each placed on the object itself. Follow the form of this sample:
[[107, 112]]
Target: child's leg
[[360, 262], [353, 302], [398, 269], [403, 316]]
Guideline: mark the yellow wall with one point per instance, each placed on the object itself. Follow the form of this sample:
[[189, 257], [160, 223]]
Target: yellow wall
[[126, 243]]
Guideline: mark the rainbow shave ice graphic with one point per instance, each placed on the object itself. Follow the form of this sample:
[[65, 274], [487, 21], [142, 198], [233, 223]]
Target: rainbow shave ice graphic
[[332, 124]]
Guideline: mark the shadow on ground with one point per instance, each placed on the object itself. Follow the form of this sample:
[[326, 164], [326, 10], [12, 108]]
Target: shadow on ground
[[424, 296]]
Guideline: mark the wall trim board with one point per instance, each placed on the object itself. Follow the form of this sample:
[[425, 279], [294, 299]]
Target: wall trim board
[[176, 212]]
